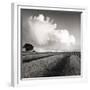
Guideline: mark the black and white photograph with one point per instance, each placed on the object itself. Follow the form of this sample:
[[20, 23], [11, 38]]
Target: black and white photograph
[[50, 43]]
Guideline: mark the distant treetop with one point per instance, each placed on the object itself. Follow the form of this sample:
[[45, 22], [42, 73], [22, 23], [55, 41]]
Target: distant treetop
[[28, 47]]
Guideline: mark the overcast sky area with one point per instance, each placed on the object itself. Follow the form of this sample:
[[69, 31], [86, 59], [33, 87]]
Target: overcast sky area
[[50, 30]]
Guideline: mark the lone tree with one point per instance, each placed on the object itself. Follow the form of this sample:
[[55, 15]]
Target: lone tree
[[28, 47]]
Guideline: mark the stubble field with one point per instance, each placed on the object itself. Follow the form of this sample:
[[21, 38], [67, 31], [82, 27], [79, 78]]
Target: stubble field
[[50, 64]]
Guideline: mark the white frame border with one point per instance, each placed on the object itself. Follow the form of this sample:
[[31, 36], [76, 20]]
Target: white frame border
[[15, 35]]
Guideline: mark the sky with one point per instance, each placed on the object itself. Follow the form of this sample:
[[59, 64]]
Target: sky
[[50, 30]]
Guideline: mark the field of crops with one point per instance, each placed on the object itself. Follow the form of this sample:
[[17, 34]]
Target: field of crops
[[50, 64]]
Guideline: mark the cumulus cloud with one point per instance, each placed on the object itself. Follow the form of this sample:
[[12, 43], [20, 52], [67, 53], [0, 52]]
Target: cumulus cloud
[[43, 31]]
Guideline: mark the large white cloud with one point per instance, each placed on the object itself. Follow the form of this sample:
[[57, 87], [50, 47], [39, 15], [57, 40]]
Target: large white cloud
[[43, 31]]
